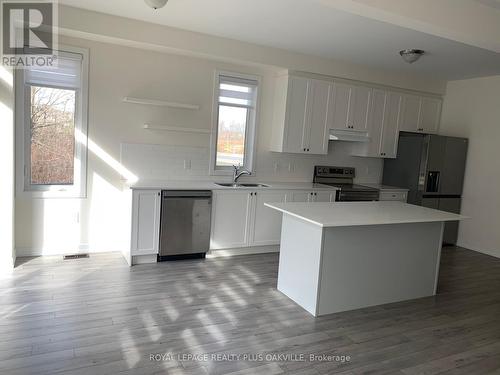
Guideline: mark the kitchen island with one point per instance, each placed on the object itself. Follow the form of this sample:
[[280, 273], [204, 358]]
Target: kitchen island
[[342, 256]]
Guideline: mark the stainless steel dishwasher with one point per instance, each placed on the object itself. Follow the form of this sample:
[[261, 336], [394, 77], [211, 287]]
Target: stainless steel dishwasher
[[185, 224]]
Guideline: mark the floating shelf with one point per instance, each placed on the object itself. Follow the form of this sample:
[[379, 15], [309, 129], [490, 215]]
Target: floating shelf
[[176, 129], [160, 103]]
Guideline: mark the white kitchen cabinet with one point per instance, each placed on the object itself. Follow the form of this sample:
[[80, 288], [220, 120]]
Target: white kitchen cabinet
[[318, 104], [230, 219], [430, 114], [420, 114], [146, 206], [266, 221], [350, 107], [301, 121], [241, 219], [385, 110], [311, 196], [390, 131], [410, 118]]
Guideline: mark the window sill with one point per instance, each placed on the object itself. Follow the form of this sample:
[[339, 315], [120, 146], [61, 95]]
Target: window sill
[[53, 194]]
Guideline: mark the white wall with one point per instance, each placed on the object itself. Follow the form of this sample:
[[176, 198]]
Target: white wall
[[472, 109], [7, 251]]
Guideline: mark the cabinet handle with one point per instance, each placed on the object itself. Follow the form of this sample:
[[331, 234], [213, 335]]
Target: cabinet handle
[[255, 193]]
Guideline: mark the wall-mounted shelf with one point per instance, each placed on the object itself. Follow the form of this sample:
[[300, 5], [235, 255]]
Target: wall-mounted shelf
[[176, 129], [160, 103]]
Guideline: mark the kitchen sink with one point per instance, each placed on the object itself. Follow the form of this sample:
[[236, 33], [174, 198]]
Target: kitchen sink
[[242, 185]]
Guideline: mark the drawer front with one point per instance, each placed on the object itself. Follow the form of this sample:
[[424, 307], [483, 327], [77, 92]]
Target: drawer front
[[401, 196]]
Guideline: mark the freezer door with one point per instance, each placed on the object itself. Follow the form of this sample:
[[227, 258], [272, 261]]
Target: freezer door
[[450, 228], [452, 176], [449, 205]]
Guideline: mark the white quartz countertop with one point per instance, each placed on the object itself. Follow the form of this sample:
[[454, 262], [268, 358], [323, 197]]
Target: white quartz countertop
[[385, 188], [344, 214], [210, 185]]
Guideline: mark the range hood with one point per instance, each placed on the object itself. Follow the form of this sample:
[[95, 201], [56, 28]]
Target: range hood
[[348, 135]]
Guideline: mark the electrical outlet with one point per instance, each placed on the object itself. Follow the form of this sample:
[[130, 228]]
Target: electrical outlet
[[291, 167], [187, 164], [276, 167]]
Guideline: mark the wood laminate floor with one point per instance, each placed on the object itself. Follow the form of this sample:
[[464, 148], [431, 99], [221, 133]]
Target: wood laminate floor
[[98, 316]]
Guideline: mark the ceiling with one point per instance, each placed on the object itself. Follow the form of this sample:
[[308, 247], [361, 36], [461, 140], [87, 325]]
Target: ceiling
[[311, 27]]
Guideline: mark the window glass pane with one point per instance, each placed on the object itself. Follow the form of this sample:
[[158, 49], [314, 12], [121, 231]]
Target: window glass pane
[[52, 136], [231, 136]]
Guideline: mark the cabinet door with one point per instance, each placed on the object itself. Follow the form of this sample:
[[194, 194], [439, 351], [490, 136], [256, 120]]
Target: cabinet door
[[320, 93], [298, 89], [377, 117], [300, 196], [230, 219], [430, 115], [146, 205], [266, 221], [340, 105], [390, 133], [358, 108], [324, 196], [410, 119]]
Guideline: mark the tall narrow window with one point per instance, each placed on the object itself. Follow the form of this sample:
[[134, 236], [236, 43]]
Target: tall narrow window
[[235, 122], [54, 117]]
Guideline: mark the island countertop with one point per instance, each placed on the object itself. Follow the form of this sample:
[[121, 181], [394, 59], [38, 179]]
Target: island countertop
[[344, 214]]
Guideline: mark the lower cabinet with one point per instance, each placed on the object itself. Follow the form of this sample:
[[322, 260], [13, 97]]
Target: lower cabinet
[[311, 196], [240, 219], [146, 206], [230, 219]]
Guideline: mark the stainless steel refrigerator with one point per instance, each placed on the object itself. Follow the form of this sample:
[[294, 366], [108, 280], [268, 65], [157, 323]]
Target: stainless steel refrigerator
[[433, 168]]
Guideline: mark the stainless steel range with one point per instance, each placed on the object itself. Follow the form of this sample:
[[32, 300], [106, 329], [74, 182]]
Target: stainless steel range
[[343, 178]]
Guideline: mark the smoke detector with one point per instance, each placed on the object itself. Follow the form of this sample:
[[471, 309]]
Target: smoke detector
[[156, 4], [411, 55]]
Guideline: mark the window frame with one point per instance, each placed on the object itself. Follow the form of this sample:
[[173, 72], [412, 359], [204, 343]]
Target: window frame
[[23, 136], [250, 130]]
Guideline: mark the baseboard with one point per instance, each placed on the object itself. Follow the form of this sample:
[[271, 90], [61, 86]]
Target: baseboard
[[82, 249], [482, 251], [243, 251]]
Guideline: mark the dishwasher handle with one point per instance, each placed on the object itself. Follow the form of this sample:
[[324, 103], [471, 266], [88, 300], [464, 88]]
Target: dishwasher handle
[[200, 194]]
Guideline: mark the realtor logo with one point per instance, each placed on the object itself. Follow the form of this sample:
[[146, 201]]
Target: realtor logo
[[28, 36]]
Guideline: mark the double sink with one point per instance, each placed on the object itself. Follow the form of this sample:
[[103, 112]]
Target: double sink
[[242, 185]]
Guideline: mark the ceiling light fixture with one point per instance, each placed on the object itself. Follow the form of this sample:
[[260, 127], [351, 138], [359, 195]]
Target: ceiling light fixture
[[411, 55], [156, 4]]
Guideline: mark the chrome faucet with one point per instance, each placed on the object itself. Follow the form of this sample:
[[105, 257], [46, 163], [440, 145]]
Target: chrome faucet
[[238, 172]]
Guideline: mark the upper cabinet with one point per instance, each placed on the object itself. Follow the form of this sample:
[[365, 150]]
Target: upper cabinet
[[420, 114], [383, 125], [306, 109], [350, 107], [301, 118]]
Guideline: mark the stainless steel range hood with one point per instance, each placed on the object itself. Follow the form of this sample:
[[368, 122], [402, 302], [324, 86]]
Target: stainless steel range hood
[[348, 135]]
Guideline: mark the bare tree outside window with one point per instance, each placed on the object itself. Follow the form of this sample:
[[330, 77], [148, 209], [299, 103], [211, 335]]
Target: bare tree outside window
[[52, 136]]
